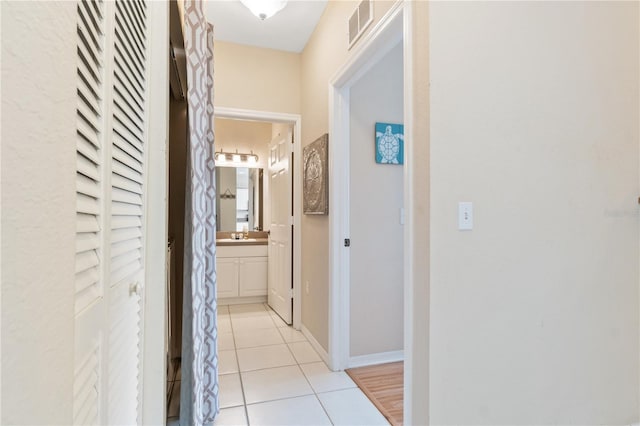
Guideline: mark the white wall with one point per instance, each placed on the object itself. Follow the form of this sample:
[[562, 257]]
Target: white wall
[[376, 192], [38, 211], [534, 118]]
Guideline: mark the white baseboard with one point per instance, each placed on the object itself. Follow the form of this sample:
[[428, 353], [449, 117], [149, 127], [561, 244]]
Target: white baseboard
[[323, 354], [241, 300], [373, 359]]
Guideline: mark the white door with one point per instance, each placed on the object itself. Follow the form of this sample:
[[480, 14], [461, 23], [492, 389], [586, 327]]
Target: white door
[[111, 151], [281, 227]]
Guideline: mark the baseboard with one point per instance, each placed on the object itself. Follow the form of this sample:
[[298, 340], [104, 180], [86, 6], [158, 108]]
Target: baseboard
[[241, 300], [317, 346], [373, 359]]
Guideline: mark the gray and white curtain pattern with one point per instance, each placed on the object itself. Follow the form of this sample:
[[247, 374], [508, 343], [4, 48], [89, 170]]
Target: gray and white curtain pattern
[[199, 388]]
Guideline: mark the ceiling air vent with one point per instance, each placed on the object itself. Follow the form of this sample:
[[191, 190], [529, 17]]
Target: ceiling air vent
[[360, 20]]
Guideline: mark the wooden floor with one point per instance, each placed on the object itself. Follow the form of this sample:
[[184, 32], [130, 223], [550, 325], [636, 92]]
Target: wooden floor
[[383, 384]]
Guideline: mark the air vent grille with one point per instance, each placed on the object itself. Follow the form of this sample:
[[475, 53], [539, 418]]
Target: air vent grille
[[360, 20]]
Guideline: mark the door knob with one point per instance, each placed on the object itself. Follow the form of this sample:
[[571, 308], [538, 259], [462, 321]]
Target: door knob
[[135, 288]]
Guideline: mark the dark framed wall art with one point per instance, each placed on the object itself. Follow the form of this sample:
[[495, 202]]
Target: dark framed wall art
[[315, 187]]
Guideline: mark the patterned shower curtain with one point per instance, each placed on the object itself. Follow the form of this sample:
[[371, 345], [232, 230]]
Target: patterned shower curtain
[[199, 387]]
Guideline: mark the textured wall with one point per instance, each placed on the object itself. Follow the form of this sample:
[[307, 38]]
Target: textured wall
[[534, 118], [38, 211]]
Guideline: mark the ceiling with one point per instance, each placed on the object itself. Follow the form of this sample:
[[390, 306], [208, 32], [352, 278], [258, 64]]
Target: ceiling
[[288, 30]]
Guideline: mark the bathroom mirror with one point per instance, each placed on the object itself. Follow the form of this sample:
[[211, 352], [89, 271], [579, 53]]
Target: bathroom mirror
[[239, 199]]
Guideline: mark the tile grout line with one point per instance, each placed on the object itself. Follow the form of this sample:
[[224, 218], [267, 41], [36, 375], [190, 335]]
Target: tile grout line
[[297, 363], [235, 348]]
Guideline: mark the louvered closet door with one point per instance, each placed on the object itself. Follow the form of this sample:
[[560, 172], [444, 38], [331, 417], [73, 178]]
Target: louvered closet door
[[128, 146], [111, 149], [90, 306]]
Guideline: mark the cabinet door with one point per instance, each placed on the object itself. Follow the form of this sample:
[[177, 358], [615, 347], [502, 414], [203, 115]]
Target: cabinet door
[[253, 276], [227, 271]]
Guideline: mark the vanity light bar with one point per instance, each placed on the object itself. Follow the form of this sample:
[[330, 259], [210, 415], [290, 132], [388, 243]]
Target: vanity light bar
[[230, 157]]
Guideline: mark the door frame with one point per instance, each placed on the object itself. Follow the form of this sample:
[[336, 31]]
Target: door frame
[[296, 121], [394, 27]]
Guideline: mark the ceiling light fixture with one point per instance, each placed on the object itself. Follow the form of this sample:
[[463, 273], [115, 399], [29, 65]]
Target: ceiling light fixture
[[236, 159], [264, 9]]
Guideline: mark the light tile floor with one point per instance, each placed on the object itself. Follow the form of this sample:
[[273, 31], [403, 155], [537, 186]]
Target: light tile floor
[[271, 375]]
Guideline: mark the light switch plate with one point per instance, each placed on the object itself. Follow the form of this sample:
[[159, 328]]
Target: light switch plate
[[465, 215]]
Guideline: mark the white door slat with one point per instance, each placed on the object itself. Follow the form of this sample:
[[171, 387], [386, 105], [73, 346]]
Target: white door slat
[[88, 97], [124, 234], [91, 59], [125, 130], [88, 150], [127, 172], [87, 205], [121, 222], [125, 66], [125, 159], [88, 278], [123, 140], [121, 95], [87, 223], [95, 13], [125, 270], [125, 247], [87, 186], [86, 261], [89, 89], [86, 242], [90, 35], [87, 133], [126, 209], [128, 116], [124, 183], [127, 197], [125, 89], [127, 51], [134, 24], [130, 39], [123, 74]]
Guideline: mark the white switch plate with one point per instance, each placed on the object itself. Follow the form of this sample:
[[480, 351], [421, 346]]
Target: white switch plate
[[465, 215]]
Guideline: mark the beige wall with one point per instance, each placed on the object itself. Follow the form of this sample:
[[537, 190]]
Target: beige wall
[[254, 78], [244, 136], [376, 197], [417, 229], [38, 211], [534, 118], [325, 52]]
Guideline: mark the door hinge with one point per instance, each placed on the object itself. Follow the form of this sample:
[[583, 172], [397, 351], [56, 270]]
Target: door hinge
[[291, 293], [347, 242]]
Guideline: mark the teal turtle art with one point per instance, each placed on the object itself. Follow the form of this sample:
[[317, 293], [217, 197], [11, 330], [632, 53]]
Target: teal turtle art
[[389, 143]]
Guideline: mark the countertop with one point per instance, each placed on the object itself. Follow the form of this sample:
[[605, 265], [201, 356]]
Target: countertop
[[243, 242]]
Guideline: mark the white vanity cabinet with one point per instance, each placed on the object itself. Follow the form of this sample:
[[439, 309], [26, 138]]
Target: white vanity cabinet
[[242, 271]]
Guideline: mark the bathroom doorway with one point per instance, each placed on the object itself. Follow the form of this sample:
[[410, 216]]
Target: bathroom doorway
[[282, 121]]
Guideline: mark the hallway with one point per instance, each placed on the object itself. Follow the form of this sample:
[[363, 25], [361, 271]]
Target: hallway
[[271, 375]]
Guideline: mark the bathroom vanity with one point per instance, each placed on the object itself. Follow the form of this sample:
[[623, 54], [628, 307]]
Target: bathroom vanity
[[242, 270]]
